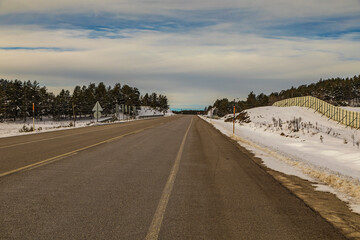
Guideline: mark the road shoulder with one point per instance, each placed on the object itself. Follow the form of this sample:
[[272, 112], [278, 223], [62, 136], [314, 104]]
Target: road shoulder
[[332, 209]]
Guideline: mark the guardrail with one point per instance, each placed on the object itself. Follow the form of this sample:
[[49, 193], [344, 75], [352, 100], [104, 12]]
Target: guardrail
[[342, 116]]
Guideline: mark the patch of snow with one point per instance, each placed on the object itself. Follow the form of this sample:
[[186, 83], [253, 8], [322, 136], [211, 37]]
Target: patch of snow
[[8, 129], [319, 150], [169, 113], [148, 112], [210, 113], [353, 109], [274, 162]]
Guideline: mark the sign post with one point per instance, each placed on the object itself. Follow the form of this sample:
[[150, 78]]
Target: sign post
[[97, 111]]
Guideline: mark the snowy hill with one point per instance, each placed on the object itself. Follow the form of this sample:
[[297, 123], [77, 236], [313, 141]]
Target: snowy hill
[[299, 142]]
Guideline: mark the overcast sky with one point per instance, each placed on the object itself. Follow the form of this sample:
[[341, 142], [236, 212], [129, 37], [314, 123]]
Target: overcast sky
[[193, 51]]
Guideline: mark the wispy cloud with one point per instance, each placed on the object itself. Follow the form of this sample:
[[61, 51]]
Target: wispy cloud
[[191, 51]]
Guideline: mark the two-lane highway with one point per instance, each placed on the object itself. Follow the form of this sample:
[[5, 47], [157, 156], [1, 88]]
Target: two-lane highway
[[17, 152], [166, 178]]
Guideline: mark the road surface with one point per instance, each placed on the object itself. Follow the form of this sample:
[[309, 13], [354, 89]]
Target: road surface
[[165, 178]]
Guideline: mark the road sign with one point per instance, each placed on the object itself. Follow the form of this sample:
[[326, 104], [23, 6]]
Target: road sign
[[97, 107], [97, 111], [97, 115]]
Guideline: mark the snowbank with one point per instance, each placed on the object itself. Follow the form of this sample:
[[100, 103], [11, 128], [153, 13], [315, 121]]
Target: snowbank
[[149, 112], [169, 113], [354, 109], [8, 129], [299, 142]]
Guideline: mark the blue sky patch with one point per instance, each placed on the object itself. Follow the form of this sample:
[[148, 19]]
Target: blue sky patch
[[56, 49], [332, 27]]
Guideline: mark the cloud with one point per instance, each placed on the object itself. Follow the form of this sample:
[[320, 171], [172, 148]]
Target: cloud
[[206, 60], [192, 52], [275, 8]]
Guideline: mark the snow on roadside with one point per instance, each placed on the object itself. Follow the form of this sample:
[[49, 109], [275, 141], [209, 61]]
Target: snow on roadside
[[149, 112], [169, 113], [321, 151], [8, 129]]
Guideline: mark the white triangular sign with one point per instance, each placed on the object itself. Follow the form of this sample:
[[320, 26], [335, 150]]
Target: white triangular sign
[[97, 107]]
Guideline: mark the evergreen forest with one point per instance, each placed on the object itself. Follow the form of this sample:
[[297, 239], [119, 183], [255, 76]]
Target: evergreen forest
[[336, 91], [17, 99]]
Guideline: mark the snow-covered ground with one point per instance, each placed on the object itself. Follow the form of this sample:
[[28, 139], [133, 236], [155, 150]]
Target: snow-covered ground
[[354, 109], [8, 129], [320, 150], [148, 112]]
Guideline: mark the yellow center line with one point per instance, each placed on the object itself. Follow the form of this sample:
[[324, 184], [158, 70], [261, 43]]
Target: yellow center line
[[154, 229], [48, 162], [65, 155]]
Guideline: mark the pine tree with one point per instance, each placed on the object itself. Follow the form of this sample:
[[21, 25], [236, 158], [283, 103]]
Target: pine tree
[[163, 103]]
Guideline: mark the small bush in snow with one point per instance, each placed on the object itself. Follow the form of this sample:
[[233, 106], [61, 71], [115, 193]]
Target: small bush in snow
[[26, 129], [274, 121], [296, 123], [243, 117], [328, 131]]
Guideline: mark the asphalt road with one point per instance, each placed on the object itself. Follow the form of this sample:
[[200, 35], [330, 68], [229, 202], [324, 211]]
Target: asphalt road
[[166, 178]]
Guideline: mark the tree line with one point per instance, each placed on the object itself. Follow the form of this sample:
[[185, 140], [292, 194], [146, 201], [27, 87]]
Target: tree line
[[336, 91], [17, 99]]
